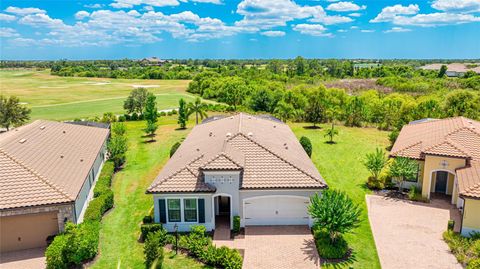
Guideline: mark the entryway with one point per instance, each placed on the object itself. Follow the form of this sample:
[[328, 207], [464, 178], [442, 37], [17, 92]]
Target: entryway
[[441, 182], [222, 210]]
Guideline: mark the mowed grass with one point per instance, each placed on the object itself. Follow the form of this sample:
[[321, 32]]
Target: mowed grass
[[65, 98], [120, 230], [341, 165]]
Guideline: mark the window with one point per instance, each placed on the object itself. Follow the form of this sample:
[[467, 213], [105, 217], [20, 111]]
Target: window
[[190, 210], [174, 210]]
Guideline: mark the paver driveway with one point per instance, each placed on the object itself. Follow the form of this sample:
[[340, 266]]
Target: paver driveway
[[409, 235], [276, 247], [30, 258]]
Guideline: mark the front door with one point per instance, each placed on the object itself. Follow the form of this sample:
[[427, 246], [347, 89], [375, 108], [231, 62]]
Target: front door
[[441, 182]]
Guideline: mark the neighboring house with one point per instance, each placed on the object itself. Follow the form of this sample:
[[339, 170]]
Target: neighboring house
[[47, 173], [454, 69], [242, 165], [153, 61], [448, 153]]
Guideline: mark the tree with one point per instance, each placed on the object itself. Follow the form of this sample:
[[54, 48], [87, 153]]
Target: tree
[[117, 145], [331, 132], [182, 113], [403, 169], [307, 145], [284, 111], [12, 113], [315, 110], [150, 129], [198, 108], [150, 112], [334, 211], [136, 100], [233, 91], [375, 162], [174, 148], [442, 71], [118, 129]]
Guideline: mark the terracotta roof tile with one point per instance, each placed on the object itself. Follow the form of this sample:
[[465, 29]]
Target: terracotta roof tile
[[266, 150], [469, 180], [59, 153]]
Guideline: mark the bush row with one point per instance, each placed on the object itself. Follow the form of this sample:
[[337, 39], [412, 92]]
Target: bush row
[[79, 243]]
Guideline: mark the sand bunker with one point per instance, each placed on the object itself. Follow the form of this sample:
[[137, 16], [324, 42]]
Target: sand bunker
[[144, 86]]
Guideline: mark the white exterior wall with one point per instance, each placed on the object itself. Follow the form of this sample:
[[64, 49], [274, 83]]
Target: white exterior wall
[[86, 193], [184, 226]]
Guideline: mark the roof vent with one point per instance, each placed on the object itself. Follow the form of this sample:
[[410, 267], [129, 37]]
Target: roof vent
[[229, 134], [198, 149], [210, 134], [81, 160], [64, 131], [61, 156], [250, 134], [42, 127], [249, 117], [274, 126], [23, 140]]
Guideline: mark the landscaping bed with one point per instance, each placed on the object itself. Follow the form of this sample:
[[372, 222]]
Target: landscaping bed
[[466, 250]]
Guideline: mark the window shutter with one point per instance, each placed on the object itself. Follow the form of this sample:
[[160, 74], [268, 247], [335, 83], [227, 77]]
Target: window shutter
[[201, 210], [163, 210]]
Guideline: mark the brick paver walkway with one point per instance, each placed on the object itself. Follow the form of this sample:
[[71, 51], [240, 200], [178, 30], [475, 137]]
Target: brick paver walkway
[[269, 247]]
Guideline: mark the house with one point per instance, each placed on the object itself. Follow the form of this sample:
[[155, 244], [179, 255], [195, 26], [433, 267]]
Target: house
[[47, 174], [153, 61], [448, 154], [454, 69], [242, 165]]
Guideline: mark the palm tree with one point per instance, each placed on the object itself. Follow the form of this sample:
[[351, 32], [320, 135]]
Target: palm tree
[[284, 111], [198, 108]]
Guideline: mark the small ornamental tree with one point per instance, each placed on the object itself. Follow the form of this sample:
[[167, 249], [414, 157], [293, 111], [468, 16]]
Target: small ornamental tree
[[307, 145], [331, 132], [198, 108], [117, 145], [182, 114], [442, 71], [151, 115], [174, 148], [335, 212], [375, 162], [402, 169]]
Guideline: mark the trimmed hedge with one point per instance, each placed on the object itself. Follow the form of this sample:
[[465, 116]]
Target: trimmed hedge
[[153, 248], [236, 224], [149, 228], [79, 243]]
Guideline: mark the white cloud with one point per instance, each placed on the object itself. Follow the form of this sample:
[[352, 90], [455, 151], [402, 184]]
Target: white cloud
[[41, 20], [273, 33], [390, 12], [216, 2], [354, 27], [342, 31], [397, 30], [311, 29], [355, 14], [328, 20], [8, 32], [345, 6], [80, 15], [435, 19], [94, 5], [132, 3], [367, 31], [24, 11], [6, 17], [457, 5]]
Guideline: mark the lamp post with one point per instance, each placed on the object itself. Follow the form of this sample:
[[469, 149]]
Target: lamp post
[[175, 227]]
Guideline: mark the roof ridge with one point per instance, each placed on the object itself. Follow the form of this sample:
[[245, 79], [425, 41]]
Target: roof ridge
[[217, 156], [283, 159], [42, 178], [405, 148], [451, 143]]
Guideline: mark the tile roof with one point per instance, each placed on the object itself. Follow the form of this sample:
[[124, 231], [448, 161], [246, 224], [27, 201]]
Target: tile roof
[[266, 150], [453, 137], [469, 180], [47, 160]]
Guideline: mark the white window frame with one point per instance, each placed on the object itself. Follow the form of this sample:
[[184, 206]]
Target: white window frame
[[168, 209], [182, 214], [196, 209]]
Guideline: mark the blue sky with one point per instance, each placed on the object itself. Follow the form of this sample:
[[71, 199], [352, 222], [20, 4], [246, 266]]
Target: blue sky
[[115, 29]]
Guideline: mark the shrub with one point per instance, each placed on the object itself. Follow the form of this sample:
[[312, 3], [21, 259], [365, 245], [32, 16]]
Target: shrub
[[210, 256], [197, 241], [229, 258], [147, 219], [84, 242], [153, 249], [162, 113], [174, 112], [174, 148], [141, 116], [307, 145], [134, 116], [474, 264], [127, 117], [236, 224], [122, 118], [375, 184], [104, 180], [149, 228], [55, 253], [466, 250], [327, 249], [99, 205], [451, 225]]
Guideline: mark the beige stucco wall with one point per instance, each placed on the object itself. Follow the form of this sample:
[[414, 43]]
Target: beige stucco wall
[[434, 163], [471, 216]]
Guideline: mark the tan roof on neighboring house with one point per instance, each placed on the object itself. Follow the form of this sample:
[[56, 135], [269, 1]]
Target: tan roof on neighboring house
[[453, 67], [469, 180], [266, 150], [47, 162], [453, 137]]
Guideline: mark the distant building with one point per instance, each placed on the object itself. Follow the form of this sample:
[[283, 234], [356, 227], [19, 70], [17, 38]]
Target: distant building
[[454, 69], [153, 61]]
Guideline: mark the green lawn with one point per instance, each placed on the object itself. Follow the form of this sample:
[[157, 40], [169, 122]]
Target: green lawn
[[63, 98], [121, 227], [341, 166]]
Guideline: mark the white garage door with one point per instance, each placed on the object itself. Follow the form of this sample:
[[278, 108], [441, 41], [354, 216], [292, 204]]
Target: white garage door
[[276, 210]]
